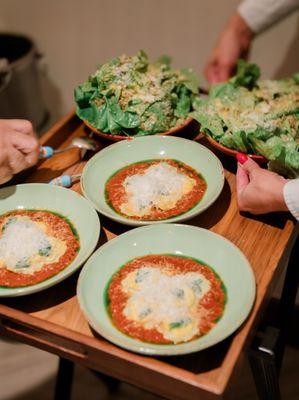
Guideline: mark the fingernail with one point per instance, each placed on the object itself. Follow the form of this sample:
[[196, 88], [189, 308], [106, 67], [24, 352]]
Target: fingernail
[[242, 158]]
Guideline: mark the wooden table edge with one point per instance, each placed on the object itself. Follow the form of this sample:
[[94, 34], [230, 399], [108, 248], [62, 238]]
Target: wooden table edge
[[254, 320], [14, 323], [55, 136], [34, 331]]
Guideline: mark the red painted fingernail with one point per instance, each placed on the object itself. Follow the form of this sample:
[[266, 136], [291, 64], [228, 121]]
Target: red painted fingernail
[[242, 158]]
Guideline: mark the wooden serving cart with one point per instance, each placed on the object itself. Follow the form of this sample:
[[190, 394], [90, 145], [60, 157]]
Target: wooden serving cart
[[51, 320]]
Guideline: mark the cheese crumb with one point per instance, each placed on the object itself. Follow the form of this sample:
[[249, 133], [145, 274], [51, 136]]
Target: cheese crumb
[[160, 186], [166, 302]]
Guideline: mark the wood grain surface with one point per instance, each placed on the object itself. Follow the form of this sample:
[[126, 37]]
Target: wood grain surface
[[52, 320]]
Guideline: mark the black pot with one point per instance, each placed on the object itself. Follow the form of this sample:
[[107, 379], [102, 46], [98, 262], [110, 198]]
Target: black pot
[[20, 94]]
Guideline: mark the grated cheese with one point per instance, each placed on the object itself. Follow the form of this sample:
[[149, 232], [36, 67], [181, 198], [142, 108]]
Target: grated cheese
[[21, 243], [161, 186], [168, 303]]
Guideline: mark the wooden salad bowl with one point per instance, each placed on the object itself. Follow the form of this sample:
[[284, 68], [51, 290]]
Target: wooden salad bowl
[[231, 152], [115, 138]]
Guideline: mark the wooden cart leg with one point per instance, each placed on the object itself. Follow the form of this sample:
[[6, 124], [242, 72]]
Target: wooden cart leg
[[263, 362], [111, 383], [266, 353], [64, 380]]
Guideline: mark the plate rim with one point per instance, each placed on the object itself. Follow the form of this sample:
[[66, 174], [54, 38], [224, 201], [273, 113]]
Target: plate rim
[[233, 152], [131, 222], [53, 280], [176, 350], [116, 138]]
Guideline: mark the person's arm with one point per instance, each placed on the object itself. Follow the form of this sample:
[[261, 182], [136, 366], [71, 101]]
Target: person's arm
[[260, 191], [19, 147], [261, 14], [234, 42], [291, 196]]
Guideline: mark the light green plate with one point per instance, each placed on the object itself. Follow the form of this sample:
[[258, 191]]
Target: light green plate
[[108, 161], [64, 201], [219, 253]]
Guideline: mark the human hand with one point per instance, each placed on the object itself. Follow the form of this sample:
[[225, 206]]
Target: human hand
[[233, 43], [19, 147], [259, 191]]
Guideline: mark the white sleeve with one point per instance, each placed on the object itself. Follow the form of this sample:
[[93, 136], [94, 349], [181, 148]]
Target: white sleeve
[[260, 14], [291, 196]]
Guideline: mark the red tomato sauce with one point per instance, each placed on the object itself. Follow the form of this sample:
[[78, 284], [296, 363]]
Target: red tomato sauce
[[116, 193], [211, 305], [59, 228]]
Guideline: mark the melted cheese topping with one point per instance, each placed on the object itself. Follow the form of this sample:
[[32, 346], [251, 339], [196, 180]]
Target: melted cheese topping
[[25, 245], [165, 302], [160, 186]]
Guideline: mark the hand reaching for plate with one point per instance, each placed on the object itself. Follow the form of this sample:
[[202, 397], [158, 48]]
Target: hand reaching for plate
[[259, 191], [19, 147]]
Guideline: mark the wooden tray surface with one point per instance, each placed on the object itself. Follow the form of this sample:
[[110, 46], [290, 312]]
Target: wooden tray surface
[[52, 320]]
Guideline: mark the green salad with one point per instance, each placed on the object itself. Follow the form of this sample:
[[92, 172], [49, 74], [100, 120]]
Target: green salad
[[130, 96], [255, 116]]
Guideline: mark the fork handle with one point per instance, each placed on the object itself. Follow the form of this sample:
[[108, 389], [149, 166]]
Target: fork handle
[[46, 152], [65, 180]]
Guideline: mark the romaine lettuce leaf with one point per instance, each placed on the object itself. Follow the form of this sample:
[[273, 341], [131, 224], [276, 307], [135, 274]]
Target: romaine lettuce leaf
[[247, 75], [254, 116], [130, 96]]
